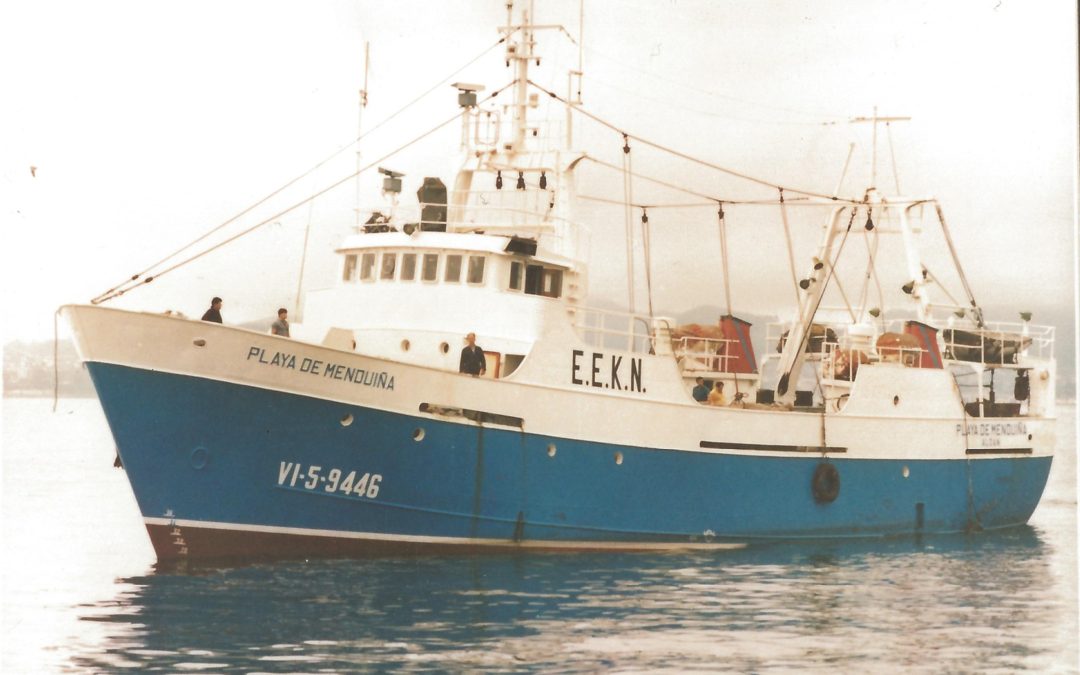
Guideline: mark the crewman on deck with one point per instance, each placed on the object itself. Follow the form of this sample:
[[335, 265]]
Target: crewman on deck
[[716, 396], [472, 357], [281, 326], [701, 391], [214, 313]]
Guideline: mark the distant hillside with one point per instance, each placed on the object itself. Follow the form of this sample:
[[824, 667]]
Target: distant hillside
[[29, 370]]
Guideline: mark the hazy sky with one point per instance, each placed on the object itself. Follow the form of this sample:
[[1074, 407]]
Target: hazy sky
[[148, 123]]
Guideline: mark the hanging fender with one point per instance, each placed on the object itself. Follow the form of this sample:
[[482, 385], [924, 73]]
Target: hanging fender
[[825, 485]]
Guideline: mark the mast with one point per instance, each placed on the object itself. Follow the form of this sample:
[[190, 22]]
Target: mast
[[521, 52], [875, 119], [360, 131]]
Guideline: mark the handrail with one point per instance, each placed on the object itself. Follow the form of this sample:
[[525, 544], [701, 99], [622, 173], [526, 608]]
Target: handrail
[[711, 354], [594, 327], [998, 344]]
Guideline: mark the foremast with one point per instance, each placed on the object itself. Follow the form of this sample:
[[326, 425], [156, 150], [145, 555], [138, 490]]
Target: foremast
[[517, 175]]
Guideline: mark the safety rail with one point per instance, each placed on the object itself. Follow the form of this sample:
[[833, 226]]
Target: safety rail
[[489, 128], [705, 355], [998, 343], [634, 333], [561, 234], [471, 216], [839, 349]]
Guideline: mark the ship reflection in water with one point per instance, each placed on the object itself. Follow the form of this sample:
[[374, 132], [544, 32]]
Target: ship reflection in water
[[945, 603]]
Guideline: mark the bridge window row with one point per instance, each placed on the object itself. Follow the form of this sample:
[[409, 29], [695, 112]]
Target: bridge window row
[[404, 267]]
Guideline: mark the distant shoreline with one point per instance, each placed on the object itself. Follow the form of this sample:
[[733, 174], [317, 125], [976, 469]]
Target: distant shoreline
[[35, 393]]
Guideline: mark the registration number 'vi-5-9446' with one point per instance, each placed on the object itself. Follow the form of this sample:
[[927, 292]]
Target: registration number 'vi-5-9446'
[[331, 480]]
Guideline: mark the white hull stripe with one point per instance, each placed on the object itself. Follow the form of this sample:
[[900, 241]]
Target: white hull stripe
[[453, 541]]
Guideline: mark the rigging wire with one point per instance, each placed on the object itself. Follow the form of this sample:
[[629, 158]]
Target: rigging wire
[[297, 204], [629, 214], [689, 205], [690, 158], [956, 261], [871, 269], [892, 155], [112, 292], [933, 277], [712, 199], [825, 282], [790, 250], [844, 297], [724, 259], [647, 245], [303, 259]]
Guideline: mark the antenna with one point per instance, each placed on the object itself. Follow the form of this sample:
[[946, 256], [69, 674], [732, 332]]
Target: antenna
[[876, 119], [360, 129]]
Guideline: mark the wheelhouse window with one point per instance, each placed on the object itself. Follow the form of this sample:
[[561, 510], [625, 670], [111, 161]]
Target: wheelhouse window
[[453, 269], [408, 266], [540, 280], [515, 275], [389, 264], [367, 267], [534, 274], [430, 270], [350, 267], [475, 273], [552, 284]]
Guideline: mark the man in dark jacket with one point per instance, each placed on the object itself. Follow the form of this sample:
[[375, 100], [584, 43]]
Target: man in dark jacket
[[214, 313], [472, 357], [701, 392]]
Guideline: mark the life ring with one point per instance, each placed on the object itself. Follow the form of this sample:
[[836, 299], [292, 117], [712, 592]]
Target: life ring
[[825, 484]]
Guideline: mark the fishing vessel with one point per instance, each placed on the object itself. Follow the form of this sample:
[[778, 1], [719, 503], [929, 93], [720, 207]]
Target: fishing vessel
[[369, 430]]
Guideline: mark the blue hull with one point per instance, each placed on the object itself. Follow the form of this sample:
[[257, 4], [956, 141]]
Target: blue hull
[[236, 470]]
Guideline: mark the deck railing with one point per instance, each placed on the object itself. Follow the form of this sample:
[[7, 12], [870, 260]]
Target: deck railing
[[705, 355], [998, 343], [635, 333]]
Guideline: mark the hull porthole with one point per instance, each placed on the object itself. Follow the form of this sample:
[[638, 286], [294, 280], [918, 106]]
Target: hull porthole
[[200, 457], [826, 483]]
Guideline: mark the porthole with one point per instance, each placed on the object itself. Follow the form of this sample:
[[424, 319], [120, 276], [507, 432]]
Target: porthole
[[896, 400], [405, 345], [199, 342], [347, 419], [905, 472], [618, 458], [444, 347], [551, 450], [199, 458], [418, 434]]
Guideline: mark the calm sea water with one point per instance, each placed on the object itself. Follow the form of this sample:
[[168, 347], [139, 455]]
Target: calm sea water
[[81, 592]]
